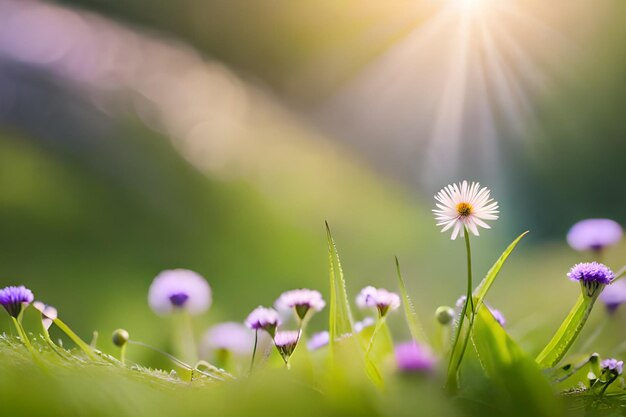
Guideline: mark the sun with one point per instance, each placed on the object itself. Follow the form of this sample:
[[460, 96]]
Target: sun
[[470, 6]]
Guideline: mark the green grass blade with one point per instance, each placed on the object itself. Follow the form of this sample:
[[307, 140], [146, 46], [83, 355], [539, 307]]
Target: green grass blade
[[483, 288], [77, 340], [340, 320], [567, 333], [518, 381], [372, 357], [416, 329]]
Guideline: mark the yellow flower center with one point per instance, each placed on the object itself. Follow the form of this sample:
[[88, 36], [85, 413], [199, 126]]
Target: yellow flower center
[[464, 209]]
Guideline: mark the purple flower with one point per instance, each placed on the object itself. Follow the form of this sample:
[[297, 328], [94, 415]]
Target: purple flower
[[13, 299], [498, 316], [48, 313], [591, 275], [612, 365], [179, 289], [366, 322], [231, 336], [614, 295], [301, 300], [413, 357], [380, 298], [594, 234], [286, 342], [318, 340], [263, 318]]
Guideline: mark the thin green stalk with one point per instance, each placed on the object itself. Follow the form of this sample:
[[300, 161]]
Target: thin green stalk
[[465, 342], [379, 324], [22, 334], [48, 340], [213, 368], [77, 340], [123, 353], [442, 337], [167, 355], [469, 299], [184, 339], [606, 385], [187, 367], [222, 358], [256, 341], [453, 367]]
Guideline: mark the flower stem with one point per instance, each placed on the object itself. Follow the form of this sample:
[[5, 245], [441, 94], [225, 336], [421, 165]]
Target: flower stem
[[22, 334], [167, 355], [379, 324], [607, 383], [123, 354], [443, 337], [48, 340], [184, 340], [469, 301], [212, 371], [256, 341]]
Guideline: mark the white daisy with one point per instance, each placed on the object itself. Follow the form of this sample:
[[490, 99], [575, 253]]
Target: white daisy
[[464, 205]]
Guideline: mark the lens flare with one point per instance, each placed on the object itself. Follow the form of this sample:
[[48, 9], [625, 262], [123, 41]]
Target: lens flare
[[456, 89]]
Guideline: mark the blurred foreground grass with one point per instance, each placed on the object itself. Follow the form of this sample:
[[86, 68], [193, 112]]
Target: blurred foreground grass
[[107, 389], [81, 387]]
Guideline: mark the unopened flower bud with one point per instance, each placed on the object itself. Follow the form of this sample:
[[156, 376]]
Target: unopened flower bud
[[120, 337], [444, 315]]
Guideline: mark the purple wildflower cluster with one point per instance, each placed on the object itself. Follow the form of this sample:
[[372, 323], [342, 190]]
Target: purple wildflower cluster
[[591, 275], [614, 295], [286, 342], [612, 365], [301, 300], [319, 340], [262, 318], [13, 299], [591, 272], [230, 336], [414, 357], [594, 234], [379, 298], [179, 290]]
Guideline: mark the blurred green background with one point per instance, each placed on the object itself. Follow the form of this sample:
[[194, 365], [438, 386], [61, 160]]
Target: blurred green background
[[219, 135]]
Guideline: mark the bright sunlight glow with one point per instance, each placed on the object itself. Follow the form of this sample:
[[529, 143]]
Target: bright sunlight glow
[[442, 90], [470, 5]]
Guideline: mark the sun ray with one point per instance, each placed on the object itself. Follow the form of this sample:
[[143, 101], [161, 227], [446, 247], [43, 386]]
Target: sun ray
[[454, 88], [443, 143]]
